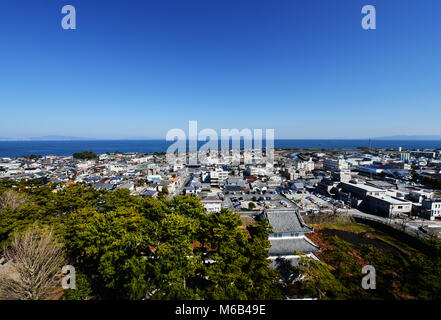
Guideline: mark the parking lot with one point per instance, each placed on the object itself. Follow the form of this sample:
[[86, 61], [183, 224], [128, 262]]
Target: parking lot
[[239, 201], [312, 202], [306, 201]]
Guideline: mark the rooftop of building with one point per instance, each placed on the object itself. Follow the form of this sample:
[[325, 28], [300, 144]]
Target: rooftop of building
[[287, 246], [433, 200], [286, 221], [392, 200], [363, 186]]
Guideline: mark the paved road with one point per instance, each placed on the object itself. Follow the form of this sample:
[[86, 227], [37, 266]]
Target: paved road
[[180, 190], [411, 227]]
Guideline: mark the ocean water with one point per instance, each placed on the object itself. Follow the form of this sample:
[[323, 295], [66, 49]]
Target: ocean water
[[64, 148]]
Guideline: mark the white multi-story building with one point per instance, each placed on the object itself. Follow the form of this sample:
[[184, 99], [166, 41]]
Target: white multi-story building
[[307, 166], [217, 176], [85, 164], [432, 208], [145, 159], [423, 154], [274, 181], [212, 205], [389, 206], [256, 171], [335, 164]]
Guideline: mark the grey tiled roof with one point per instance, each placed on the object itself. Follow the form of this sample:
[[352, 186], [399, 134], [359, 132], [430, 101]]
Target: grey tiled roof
[[147, 193], [293, 261], [233, 188], [287, 246], [286, 221], [277, 263], [106, 186], [236, 182]]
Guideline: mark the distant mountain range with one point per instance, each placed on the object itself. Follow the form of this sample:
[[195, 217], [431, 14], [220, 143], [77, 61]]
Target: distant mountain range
[[404, 137], [58, 138], [68, 138], [46, 138]]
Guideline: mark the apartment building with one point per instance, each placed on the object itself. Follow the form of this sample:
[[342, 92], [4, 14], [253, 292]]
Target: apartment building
[[307, 166], [335, 164], [388, 206], [217, 177], [212, 204], [432, 208]]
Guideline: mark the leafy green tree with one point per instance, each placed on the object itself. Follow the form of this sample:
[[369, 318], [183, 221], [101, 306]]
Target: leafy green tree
[[130, 247], [228, 246], [173, 261], [265, 279], [73, 198], [316, 279], [163, 194], [105, 244], [83, 288], [85, 155], [110, 201]]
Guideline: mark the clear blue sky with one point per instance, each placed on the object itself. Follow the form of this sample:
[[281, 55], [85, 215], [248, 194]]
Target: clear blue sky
[[138, 68]]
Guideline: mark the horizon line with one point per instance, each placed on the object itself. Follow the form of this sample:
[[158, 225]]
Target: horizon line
[[411, 138]]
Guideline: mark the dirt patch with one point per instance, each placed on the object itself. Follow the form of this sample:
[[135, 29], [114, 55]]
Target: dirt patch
[[248, 221], [360, 238], [319, 237]]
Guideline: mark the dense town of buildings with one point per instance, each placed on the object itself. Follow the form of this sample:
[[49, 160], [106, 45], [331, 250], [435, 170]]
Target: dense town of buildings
[[384, 183]]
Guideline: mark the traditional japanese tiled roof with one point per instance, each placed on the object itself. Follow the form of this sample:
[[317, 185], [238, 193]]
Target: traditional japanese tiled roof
[[286, 221], [287, 246]]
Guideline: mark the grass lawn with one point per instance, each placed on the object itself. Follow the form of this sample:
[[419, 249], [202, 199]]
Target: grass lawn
[[345, 226]]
